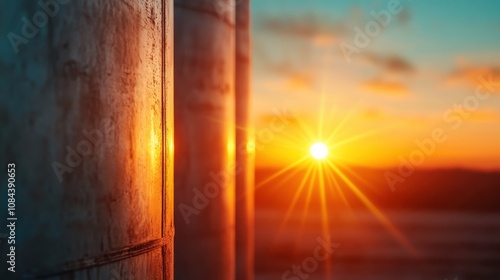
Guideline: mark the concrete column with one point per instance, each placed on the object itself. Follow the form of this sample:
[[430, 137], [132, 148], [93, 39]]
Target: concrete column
[[245, 150], [86, 117], [204, 140]]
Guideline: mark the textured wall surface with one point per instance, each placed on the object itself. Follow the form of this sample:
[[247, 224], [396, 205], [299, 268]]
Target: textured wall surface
[[86, 114], [244, 147], [204, 140]]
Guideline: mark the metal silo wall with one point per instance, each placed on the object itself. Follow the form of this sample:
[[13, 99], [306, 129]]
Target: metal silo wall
[[245, 151], [90, 93], [204, 140]]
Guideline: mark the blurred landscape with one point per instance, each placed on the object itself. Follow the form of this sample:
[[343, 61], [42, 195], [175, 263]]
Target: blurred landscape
[[373, 84], [451, 217]]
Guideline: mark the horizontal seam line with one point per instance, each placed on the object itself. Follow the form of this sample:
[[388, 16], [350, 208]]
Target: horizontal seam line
[[106, 258]]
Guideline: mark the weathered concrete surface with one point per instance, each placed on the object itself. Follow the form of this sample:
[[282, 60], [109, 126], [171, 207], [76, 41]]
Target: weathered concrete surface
[[245, 148], [204, 140], [104, 67]]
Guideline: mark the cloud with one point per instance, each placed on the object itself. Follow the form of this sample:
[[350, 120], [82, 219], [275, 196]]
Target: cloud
[[386, 87], [392, 71], [392, 63], [295, 77], [470, 75], [306, 27], [404, 16]]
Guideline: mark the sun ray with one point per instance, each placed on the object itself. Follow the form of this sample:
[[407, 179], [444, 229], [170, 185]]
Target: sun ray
[[357, 137], [280, 172], [307, 131], [338, 189], [354, 174], [340, 125], [392, 229], [364, 135], [321, 114], [295, 198], [324, 214], [306, 206]]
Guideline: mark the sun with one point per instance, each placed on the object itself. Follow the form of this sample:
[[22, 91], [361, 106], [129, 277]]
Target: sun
[[319, 150]]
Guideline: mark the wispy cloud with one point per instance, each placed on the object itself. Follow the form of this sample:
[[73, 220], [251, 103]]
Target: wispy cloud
[[306, 27], [404, 17], [391, 63]]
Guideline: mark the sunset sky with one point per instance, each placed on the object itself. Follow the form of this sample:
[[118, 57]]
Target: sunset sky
[[396, 90]]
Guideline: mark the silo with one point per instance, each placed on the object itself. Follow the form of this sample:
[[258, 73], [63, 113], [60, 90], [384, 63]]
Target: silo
[[204, 139], [86, 117], [245, 147]]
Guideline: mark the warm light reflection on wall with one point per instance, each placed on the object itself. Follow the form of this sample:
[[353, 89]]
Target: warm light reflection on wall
[[251, 146], [230, 146]]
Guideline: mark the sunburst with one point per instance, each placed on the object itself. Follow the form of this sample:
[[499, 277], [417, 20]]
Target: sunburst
[[326, 173]]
